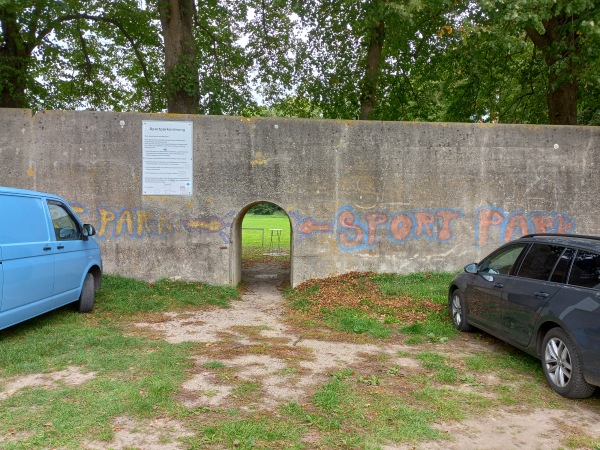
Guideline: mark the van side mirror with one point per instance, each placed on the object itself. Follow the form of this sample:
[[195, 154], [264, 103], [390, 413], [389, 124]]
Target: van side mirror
[[88, 230]]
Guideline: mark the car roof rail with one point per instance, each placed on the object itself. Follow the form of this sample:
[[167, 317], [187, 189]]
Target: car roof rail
[[580, 236]]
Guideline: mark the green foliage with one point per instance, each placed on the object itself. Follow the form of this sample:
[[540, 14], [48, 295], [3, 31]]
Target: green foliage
[[334, 76], [514, 55], [82, 54], [265, 209], [245, 434], [441, 60], [183, 77], [293, 106]]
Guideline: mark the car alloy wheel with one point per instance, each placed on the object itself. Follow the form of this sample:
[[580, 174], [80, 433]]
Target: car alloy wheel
[[562, 366], [558, 362], [457, 312]]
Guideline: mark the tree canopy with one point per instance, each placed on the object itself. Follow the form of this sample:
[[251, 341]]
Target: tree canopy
[[510, 61]]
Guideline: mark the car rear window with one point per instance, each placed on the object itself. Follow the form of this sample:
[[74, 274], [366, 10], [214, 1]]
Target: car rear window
[[586, 270]]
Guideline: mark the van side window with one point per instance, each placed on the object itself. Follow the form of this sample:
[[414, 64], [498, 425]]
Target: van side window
[[23, 220], [66, 227], [586, 270]]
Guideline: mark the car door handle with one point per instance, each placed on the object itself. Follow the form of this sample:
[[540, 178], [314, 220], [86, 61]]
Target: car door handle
[[60, 247], [499, 285], [541, 294], [47, 249]]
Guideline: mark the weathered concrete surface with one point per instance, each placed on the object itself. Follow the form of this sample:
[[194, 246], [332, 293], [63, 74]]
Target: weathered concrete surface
[[380, 196]]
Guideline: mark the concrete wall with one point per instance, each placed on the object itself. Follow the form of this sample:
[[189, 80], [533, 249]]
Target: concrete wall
[[361, 196]]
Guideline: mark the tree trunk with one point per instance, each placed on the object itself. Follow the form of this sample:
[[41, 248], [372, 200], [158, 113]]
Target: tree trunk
[[561, 96], [562, 103], [368, 94], [181, 64]]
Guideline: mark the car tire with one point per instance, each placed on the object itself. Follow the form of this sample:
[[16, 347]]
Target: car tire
[[456, 307], [86, 299], [562, 365]]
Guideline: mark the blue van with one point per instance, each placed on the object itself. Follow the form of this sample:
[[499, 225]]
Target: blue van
[[47, 256]]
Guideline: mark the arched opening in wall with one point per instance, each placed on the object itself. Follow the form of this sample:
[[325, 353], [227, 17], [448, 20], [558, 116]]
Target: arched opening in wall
[[262, 245]]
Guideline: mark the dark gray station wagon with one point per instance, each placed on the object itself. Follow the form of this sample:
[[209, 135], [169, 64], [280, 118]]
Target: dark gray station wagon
[[541, 294]]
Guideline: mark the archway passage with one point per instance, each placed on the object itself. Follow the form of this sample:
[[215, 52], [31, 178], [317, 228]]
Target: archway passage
[[263, 233]]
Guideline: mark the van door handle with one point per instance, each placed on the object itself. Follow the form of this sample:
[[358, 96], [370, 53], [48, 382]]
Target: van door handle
[[47, 249], [60, 247], [499, 285], [541, 294]]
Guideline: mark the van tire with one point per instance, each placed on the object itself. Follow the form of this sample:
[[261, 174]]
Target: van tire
[[86, 299]]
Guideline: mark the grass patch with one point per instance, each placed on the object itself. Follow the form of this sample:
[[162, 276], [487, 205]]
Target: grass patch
[[131, 377], [437, 363], [509, 361], [248, 433], [253, 227], [346, 413], [377, 305], [127, 296], [351, 320], [214, 365], [124, 375], [416, 285], [258, 239], [377, 402]]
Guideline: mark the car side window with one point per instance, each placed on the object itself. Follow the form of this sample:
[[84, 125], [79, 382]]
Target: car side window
[[502, 261], [539, 261], [586, 270], [66, 228], [562, 267]]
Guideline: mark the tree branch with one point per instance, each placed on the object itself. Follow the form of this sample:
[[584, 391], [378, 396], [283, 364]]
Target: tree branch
[[68, 17]]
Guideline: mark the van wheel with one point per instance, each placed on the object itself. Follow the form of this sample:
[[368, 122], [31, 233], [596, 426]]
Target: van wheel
[[86, 300], [562, 366]]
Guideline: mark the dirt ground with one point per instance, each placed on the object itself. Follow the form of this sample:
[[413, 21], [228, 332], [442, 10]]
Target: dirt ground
[[262, 306]]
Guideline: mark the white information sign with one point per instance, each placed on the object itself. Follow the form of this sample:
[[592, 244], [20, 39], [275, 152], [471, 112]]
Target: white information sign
[[167, 158]]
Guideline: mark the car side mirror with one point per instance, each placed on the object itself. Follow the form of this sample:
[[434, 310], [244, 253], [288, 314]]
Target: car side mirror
[[471, 268], [88, 230]]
